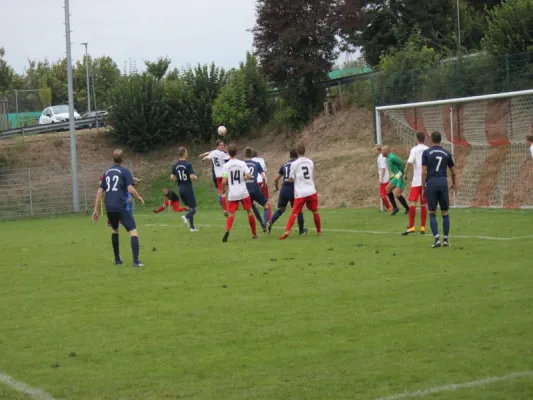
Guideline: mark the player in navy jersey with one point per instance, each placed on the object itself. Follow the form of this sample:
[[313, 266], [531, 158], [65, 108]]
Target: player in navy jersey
[[183, 173], [117, 182], [256, 194], [286, 195], [435, 163]]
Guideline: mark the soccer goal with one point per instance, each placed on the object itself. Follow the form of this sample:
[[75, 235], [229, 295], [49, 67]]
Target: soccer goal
[[485, 134]]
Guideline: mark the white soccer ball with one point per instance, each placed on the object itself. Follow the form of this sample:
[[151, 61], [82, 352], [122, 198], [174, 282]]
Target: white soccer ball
[[222, 131]]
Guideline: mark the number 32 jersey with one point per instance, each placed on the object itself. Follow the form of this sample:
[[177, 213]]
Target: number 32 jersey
[[235, 171], [302, 173]]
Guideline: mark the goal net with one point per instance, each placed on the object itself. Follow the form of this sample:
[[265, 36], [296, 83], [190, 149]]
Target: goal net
[[485, 134]]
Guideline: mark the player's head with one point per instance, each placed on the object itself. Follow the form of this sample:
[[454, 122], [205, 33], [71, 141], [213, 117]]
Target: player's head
[[118, 156], [165, 191], [232, 150], [300, 149], [249, 153], [420, 137], [436, 137], [254, 154], [385, 151], [293, 154], [529, 140], [377, 149], [220, 145], [182, 153]]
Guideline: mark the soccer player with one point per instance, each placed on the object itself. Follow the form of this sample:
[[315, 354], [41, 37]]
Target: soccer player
[[286, 195], [383, 181], [304, 190], [218, 157], [235, 174], [263, 181], [397, 183], [415, 161], [183, 173], [256, 195], [117, 182], [170, 199], [435, 163]]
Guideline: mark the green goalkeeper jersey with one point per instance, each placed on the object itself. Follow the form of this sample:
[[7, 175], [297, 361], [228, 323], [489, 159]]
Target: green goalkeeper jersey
[[396, 165]]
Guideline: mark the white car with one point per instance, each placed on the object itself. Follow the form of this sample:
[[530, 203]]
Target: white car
[[56, 114]]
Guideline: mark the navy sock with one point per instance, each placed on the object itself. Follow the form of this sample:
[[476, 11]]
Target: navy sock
[[402, 201], [265, 215], [190, 217], [446, 225], [115, 243], [278, 213], [135, 248], [300, 222], [434, 225], [392, 200], [257, 215]]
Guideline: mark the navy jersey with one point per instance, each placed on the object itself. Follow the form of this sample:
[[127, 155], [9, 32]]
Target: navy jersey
[[183, 171], [437, 160], [255, 169], [115, 183], [285, 171], [172, 196]]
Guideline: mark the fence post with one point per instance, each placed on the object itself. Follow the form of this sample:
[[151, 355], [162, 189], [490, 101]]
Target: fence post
[[373, 92], [31, 194], [84, 188], [507, 73]]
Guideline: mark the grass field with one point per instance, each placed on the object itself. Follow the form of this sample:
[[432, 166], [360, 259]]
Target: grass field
[[350, 315]]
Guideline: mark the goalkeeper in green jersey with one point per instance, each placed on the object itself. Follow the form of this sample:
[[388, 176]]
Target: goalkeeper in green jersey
[[397, 183]]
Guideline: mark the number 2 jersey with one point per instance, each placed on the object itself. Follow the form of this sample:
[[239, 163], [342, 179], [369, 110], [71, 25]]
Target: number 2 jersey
[[115, 183], [302, 173], [235, 171]]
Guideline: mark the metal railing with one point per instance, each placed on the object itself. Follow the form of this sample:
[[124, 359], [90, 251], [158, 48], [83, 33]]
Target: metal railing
[[80, 123]]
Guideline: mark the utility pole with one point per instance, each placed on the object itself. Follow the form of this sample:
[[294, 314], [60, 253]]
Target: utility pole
[[73, 162], [87, 73]]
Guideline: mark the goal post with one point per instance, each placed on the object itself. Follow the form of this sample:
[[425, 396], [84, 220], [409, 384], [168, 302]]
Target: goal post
[[486, 135]]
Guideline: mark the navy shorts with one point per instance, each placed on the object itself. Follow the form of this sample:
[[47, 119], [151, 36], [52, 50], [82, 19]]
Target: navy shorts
[[187, 197], [437, 194], [259, 197], [286, 196], [125, 217]]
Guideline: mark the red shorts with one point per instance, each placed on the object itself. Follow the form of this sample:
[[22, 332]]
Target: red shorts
[[264, 189], [233, 205], [310, 201], [383, 189], [416, 193], [175, 204], [219, 184]]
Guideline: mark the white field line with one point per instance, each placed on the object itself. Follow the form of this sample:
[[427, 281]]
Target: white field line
[[355, 231], [19, 386], [457, 386]]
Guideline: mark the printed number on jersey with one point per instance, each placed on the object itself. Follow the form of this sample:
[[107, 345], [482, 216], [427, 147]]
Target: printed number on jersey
[[306, 173], [438, 164], [215, 161], [108, 182], [235, 176], [287, 172], [182, 176]]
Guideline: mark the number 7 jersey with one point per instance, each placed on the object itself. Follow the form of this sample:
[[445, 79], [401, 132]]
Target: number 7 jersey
[[235, 171], [302, 172]]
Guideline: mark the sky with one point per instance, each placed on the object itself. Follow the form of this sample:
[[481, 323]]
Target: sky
[[187, 31]]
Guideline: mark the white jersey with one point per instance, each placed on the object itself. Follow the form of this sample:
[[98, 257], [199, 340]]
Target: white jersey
[[235, 171], [218, 158], [382, 164], [263, 165], [415, 158], [302, 173]]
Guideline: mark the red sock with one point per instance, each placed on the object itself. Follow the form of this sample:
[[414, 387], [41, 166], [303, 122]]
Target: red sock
[[424, 214], [159, 210], [269, 213], [412, 215], [229, 222], [386, 203], [251, 221], [316, 217], [290, 223], [181, 209], [224, 204]]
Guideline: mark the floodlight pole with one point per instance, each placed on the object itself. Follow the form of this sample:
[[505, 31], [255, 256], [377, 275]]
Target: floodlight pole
[[87, 77], [73, 162]]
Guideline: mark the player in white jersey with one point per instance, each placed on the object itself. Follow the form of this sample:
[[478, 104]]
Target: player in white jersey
[[383, 179], [263, 184], [218, 157], [235, 174], [304, 190], [417, 194]]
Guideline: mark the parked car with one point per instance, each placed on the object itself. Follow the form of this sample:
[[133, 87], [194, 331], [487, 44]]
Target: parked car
[[56, 114], [101, 118]]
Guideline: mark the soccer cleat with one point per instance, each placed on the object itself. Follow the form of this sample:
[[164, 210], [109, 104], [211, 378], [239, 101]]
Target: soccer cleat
[[422, 230], [269, 227], [319, 233], [303, 232], [138, 264], [408, 231], [185, 221], [194, 230], [225, 238], [395, 211], [226, 214], [254, 237], [265, 228], [284, 236], [119, 262], [436, 244], [406, 212], [445, 243]]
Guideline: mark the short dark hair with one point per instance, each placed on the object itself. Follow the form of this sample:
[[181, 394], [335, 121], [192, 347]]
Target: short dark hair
[[118, 156], [219, 142], [254, 154], [182, 151], [248, 152], [421, 137], [293, 153], [436, 137], [529, 138], [300, 149], [232, 150]]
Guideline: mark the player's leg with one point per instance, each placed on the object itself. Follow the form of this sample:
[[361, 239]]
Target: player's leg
[[176, 206], [432, 200], [129, 223], [296, 209], [284, 197], [262, 200], [264, 190], [233, 206], [444, 205], [423, 213], [390, 189], [190, 201], [162, 208], [400, 185], [384, 197], [414, 195], [113, 221], [257, 213], [312, 205], [247, 205], [221, 198]]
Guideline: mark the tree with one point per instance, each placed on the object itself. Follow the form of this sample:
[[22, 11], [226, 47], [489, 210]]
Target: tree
[[158, 68], [7, 75], [295, 42]]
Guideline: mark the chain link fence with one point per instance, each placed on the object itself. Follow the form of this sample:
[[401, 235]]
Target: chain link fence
[[45, 191]]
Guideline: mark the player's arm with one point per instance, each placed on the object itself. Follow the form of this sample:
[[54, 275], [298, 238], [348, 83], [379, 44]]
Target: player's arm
[[192, 175], [205, 155], [451, 165], [276, 182], [134, 193], [173, 178], [99, 194], [424, 170]]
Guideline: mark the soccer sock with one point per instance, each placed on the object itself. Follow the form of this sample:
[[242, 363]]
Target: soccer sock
[[257, 215], [220, 201], [412, 215], [278, 213], [402, 201], [434, 225], [300, 222], [446, 225], [135, 248], [115, 243], [316, 217], [224, 204], [290, 223], [229, 222], [180, 209], [386, 203], [269, 213], [190, 217], [392, 200], [265, 216], [159, 210], [423, 214], [251, 221]]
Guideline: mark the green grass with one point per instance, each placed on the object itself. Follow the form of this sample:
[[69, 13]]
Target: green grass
[[345, 316]]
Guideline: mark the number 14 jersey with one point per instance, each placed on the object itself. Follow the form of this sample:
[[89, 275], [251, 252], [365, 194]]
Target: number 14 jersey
[[235, 171], [302, 173]]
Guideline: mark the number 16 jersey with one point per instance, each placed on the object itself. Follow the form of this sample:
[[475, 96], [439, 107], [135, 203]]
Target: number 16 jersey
[[302, 173], [235, 171]]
